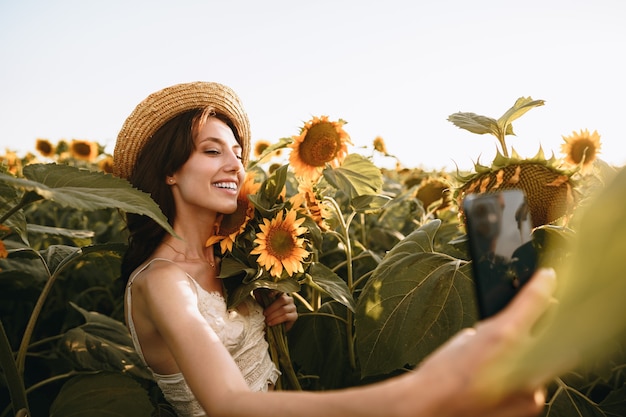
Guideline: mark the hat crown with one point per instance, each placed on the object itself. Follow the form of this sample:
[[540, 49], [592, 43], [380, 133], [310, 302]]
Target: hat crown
[[160, 107]]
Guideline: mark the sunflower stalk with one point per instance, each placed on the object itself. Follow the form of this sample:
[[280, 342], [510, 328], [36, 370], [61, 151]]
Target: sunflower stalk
[[27, 198], [502, 140], [345, 237], [279, 351], [13, 377]]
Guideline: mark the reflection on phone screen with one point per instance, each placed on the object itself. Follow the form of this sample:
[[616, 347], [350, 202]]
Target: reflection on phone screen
[[503, 257]]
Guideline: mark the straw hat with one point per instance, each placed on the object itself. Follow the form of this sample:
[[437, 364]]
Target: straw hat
[[160, 107]]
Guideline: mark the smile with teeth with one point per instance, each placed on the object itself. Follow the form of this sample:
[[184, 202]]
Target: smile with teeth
[[226, 185]]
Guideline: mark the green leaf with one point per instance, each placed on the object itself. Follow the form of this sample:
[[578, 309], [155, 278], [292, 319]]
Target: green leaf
[[265, 199], [357, 176], [102, 343], [280, 144], [57, 256], [102, 395], [232, 268], [415, 300], [475, 123], [614, 405], [568, 402], [86, 190], [60, 231], [243, 291], [328, 282], [318, 346], [8, 200], [369, 203], [521, 106]]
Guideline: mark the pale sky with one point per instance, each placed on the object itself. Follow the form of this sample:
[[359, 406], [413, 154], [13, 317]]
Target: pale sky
[[395, 69]]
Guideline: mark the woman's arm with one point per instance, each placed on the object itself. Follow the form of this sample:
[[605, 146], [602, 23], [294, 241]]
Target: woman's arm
[[453, 381]]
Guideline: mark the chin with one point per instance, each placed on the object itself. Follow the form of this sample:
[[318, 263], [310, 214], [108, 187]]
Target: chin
[[229, 210]]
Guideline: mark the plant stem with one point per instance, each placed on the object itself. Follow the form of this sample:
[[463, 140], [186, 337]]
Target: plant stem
[[284, 357], [279, 350], [345, 237], [303, 301], [32, 321], [14, 380], [501, 136], [27, 198]]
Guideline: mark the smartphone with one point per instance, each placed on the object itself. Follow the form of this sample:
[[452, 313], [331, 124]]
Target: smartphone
[[498, 227]]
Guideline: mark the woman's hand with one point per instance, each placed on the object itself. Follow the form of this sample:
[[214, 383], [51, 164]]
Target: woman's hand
[[469, 370], [282, 310]]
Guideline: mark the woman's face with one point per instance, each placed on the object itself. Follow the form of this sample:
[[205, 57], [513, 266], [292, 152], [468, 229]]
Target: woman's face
[[211, 177]]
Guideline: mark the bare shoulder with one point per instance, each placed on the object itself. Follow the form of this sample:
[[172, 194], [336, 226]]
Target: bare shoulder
[[162, 281]]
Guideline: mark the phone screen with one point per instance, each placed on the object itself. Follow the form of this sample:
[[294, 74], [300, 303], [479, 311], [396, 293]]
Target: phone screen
[[499, 229]]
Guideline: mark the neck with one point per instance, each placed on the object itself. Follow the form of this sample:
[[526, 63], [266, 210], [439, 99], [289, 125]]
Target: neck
[[188, 253]]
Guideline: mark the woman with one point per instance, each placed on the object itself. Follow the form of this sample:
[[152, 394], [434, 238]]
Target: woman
[[187, 146]]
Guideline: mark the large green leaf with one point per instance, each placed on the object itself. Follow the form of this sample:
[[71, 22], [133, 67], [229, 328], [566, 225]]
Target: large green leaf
[[415, 300], [324, 279], [85, 190], [318, 346], [102, 395], [357, 176], [102, 343]]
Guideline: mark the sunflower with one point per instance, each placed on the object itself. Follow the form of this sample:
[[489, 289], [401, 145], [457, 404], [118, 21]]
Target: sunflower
[[106, 164], [259, 147], [434, 189], [280, 245], [84, 150], [550, 190], [12, 162], [306, 200], [320, 142], [45, 148], [273, 168], [379, 145], [581, 148], [232, 225]]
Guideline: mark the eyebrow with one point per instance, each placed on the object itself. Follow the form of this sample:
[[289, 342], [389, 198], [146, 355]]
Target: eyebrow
[[218, 141]]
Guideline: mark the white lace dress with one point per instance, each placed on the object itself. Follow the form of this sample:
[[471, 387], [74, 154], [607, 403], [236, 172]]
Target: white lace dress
[[242, 334]]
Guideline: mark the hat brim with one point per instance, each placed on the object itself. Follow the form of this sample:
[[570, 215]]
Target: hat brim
[[160, 107]]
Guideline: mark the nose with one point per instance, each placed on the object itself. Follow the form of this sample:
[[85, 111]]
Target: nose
[[234, 163]]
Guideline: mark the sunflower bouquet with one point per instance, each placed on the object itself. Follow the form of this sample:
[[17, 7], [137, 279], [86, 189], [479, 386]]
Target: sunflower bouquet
[[272, 242]]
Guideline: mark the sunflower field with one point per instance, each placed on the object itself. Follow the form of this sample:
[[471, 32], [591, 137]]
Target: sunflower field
[[376, 259]]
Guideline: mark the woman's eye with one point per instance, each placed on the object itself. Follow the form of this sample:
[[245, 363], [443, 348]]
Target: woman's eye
[[212, 151]]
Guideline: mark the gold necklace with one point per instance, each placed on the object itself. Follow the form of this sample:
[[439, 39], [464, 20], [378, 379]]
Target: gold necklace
[[212, 263]]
